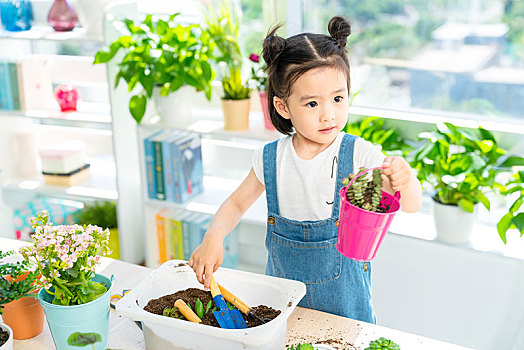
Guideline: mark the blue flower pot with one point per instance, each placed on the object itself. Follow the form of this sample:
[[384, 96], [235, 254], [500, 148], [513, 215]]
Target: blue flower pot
[[16, 15], [79, 324]]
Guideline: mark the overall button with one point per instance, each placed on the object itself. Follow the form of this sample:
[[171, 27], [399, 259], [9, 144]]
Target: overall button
[[271, 220], [336, 223], [366, 266]]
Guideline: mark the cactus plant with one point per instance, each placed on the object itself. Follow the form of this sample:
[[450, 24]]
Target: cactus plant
[[365, 194]]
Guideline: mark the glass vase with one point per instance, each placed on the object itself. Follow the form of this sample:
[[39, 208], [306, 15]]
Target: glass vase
[[16, 15], [62, 16]]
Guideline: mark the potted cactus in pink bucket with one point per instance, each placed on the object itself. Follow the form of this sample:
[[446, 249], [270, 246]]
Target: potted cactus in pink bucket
[[366, 211]]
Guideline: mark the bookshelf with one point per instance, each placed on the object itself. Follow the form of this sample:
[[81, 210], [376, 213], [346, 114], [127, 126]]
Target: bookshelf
[[70, 55]]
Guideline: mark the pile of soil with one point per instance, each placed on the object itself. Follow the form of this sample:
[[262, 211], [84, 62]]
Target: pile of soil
[[4, 336], [157, 306]]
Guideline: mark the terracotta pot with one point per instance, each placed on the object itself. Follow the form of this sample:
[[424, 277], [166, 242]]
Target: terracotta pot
[[25, 316], [236, 114]]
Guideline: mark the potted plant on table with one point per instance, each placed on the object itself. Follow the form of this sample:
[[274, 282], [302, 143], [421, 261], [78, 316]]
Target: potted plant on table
[[74, 298], [6, 337], [222, 27], [18, 304], [161, 58], [102, 214], [461, 166]]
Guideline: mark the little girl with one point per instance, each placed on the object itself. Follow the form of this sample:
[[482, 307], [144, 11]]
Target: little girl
[[308, 90]]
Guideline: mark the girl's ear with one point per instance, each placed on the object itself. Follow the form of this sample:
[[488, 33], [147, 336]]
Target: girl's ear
[[281, 107]]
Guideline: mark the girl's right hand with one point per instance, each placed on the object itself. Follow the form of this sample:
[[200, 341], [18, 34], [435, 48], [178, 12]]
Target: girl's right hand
[[207, 258]]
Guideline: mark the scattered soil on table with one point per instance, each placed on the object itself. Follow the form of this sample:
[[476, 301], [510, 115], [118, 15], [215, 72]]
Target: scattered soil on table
[[4, 336], [157, 306]]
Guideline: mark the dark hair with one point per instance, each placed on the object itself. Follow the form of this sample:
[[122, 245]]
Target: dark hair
[[287, 59]]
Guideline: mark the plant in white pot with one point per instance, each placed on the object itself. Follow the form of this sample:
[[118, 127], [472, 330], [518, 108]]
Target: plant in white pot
[[163, 60], [514, 218], [222, 25], [461, 166]]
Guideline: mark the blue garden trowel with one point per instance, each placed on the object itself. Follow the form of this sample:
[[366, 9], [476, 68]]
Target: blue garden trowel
[[226, 318]]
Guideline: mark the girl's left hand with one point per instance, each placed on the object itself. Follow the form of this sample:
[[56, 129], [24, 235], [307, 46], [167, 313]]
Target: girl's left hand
[[397, 171]]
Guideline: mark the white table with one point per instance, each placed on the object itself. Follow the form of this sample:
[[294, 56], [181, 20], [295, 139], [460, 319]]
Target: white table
[[304, 325]]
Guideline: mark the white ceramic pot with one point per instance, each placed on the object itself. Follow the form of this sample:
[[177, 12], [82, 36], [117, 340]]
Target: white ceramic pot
[[175, 108], [9, 344], [453, 224], [323, 347]]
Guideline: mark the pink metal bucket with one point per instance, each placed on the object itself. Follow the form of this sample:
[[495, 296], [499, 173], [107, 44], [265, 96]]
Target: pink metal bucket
[[360, 231]]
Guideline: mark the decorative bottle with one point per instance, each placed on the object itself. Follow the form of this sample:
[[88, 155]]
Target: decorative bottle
[[16, 15], [62, 16]]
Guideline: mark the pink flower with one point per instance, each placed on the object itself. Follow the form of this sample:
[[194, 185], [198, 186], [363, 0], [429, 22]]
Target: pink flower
[[254, 58]]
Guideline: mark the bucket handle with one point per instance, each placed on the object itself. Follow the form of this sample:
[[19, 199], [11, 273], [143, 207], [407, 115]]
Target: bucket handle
[[396, 195]]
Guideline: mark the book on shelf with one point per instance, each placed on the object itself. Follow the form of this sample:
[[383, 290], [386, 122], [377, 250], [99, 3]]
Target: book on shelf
[[25, 84], [180, 232], [173, 165]]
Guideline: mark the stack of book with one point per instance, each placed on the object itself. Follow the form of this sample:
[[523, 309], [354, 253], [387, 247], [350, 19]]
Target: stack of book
[[173, 165], [64, 164], [25, 84], [179, 232]]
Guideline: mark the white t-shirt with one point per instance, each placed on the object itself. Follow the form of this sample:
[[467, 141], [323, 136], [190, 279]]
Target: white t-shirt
[[306, 188]]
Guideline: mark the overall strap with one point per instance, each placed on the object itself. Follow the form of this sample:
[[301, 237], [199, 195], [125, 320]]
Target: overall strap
[[345, 167], [270, 176]]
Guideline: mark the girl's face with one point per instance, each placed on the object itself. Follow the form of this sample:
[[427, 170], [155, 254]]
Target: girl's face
[[318, 106]]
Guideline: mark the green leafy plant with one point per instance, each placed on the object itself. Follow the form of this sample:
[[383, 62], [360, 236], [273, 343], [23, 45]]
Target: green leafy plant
[[363, 193], [515, 217], [199, 308], [461, 165], [16, 286], [382, 344], [102, 214], [372, 129], [66, 257], [305, 346], [164, 54], [222, 25]]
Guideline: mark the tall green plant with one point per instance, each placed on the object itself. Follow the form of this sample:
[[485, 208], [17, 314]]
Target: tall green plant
[[163, 54], [102, 214], [222, 25], [461, 165]]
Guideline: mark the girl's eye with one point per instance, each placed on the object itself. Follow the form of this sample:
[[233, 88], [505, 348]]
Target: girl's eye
[[312, 104], [338, 99]]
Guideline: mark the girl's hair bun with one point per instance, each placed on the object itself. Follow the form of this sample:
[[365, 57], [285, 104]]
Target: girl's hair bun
[[273, 46], [339, 29]]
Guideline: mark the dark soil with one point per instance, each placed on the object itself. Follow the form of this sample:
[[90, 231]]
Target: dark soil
[[157, 306], [4, 336]]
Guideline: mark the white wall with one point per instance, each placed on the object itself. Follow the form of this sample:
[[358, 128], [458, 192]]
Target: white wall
[[459, 295]]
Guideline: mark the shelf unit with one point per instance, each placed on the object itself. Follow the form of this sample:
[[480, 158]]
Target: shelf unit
[[93, 122]]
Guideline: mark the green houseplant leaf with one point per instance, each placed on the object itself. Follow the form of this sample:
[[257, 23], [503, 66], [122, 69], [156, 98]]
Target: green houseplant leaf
[[83, 339], [163, 54]]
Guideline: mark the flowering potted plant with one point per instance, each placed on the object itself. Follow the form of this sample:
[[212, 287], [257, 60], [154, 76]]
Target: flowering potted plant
[[74, 298], [18, 304], [259, 77]]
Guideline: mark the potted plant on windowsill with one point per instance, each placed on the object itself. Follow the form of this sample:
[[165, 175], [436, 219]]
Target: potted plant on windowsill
[[222, 27], [161, 58], [18, 304], [74, 298], [461, 166], [514, 218], [102, 214], [259, 77]]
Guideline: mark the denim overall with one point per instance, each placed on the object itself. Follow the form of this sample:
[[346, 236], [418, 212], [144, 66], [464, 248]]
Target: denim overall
[[305, 250]]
